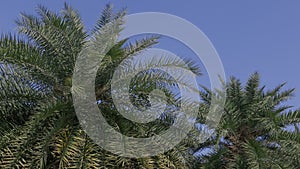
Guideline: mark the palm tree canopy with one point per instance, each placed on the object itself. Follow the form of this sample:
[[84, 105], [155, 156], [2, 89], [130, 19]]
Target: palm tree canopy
[[252, 132], [39, 127]]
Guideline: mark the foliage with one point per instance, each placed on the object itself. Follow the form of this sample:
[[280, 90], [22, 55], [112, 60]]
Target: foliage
[[39, 128], [253, 131]]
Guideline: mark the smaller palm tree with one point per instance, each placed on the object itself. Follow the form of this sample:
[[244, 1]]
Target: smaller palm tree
[[252, 132]]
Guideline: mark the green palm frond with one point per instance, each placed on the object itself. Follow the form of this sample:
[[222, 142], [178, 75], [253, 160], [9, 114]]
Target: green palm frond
[[59, 37], [108, 16]]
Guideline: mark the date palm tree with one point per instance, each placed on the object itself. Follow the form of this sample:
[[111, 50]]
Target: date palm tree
[[256, 128], [38, 125]]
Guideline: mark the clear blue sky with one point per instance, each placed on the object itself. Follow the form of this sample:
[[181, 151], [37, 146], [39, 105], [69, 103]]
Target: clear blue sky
[[261, 36]]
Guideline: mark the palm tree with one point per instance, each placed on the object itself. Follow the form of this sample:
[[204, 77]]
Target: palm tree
[[253, 132], [39, 127]]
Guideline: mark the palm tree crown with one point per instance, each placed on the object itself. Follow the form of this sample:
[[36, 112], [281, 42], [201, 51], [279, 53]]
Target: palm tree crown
[[252, 132]]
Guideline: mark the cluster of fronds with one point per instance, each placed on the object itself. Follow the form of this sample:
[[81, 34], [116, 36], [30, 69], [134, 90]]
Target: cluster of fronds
[[39, 127], [255, 130]]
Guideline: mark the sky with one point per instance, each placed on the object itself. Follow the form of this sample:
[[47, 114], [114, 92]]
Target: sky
[[249, 36]]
